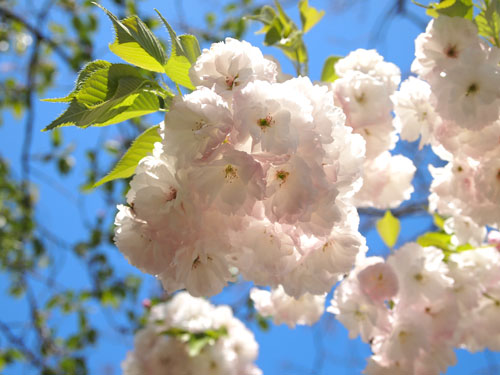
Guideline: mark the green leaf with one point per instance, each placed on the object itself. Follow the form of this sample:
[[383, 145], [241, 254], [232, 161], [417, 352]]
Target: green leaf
[[196, 341], [111, 94], [281, 32], [451, 8], [185, 49], [488, 21], [196, 345], [141, 147], [436, 239], [328, 73], [438, 221], [388, 228], [309, 16], [190, 46], [87, 71], [136, 44], [177, 68]]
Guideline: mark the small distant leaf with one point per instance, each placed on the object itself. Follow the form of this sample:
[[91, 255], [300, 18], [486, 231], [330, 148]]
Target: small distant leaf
[[281, 32], [196, 341], [328, 73], [388, 228], [140, 148], [438, 221], [195, 346], [262, 322], [436, 239], [309, 16], [451, 8], [136, 44]]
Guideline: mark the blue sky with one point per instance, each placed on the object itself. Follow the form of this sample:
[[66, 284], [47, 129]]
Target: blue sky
[[323, 348]]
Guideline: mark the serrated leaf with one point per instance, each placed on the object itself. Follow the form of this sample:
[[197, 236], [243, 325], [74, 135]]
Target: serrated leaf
[[103, 84], [488, 21], [111, 94], [128, 90], [309, 15], [388, 227], [87, 71], [180, 60], [70, 116], [328, 73], [144, 104], [136, 44], [451, 8], [141, 147]]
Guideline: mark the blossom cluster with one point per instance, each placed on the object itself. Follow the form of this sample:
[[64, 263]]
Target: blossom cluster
[[414, 308], [283, 308], [253, 176], [364, 92], [162, 346], [454, 106]]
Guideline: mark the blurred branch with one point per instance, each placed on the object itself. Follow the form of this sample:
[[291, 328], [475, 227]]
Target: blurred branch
[[18, 342], [417, 208], [7, 14]]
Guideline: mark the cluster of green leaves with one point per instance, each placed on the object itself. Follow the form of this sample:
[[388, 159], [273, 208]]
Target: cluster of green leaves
[[196, 341], [280, 31], [71, 317], [487, 19], [442, 240], [106, 93]]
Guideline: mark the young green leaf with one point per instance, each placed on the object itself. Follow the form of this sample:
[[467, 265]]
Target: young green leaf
[[282, 32], [136, 44], [451, 8], [309, 16], [388, 228], [488, 21], [87, 71], [111, 94], [141, 147], [328, 73], [185, 49], [438, 221], [436, 239]]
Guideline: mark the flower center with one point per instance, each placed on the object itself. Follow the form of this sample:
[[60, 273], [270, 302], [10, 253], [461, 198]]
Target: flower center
[[265, 122], [451, 51], [472, 89], [231, 82], [282, 175], [171, 195], [230, 173]]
